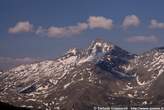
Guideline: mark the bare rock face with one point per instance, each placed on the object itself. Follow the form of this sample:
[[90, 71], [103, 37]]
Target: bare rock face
[[101, 75]]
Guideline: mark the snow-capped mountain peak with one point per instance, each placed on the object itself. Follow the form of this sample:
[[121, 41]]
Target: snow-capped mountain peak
[[103, 74]]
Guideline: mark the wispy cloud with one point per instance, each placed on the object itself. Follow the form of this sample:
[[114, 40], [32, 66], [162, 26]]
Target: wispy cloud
[[22, 26], [92, 22], [66, 31], [143, 39], [40, 31], [130, 21], [154, 24], [100, 22]]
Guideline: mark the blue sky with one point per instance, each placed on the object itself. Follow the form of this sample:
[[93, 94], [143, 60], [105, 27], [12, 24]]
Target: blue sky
[[48, 28]]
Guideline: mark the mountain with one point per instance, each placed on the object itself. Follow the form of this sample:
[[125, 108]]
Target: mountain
[[101, 75]]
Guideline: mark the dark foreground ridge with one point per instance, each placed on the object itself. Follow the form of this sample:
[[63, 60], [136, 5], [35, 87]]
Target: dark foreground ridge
[[5, 106]]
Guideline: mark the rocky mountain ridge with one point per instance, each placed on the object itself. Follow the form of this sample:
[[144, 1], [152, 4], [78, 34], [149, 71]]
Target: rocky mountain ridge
[[101, 75]]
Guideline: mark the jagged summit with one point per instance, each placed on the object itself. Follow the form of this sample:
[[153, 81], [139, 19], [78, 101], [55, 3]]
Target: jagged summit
[[100, 45], [96, 47], [72, 51]]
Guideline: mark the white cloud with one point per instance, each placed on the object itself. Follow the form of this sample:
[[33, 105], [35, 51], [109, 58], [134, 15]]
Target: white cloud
[[54, 31], [130, 21], [100, 22], [143, 39], [66, 31], [41, 31], [93, 22], [154, 24], [22, 26]]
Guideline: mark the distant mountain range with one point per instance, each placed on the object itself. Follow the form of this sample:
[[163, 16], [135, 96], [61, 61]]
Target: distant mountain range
[[101, 75]]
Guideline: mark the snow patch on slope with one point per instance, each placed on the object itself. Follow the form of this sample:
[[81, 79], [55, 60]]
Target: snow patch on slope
[[86, 59]]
